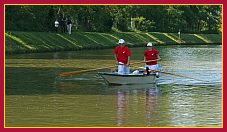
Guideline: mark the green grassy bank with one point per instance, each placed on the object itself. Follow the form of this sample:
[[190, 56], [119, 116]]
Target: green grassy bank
[[27, 42]]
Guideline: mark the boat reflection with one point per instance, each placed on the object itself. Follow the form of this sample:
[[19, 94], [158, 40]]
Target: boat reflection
[[138, 101]]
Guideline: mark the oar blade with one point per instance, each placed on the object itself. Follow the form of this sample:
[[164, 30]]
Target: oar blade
[[66, 74]]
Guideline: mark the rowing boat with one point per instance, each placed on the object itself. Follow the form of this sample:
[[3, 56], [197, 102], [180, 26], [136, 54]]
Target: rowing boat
[[118, 79]]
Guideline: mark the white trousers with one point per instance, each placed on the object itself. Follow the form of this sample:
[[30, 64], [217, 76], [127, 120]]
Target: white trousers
[[123, 69], [69, 28], [152, 67]]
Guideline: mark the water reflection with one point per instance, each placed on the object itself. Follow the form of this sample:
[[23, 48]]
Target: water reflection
[[86, 100], [135, 97], [151, 100], [122, 107]]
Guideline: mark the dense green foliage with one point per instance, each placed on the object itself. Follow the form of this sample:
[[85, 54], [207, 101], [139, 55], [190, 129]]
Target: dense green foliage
[[24, 42], [100, 18]]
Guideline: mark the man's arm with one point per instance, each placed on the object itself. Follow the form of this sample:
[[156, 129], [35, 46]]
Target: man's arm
[[144, 58], [115, 56], [128, 63], [158, 57]]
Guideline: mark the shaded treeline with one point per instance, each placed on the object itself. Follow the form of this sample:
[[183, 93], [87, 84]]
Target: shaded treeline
[[100, 18]]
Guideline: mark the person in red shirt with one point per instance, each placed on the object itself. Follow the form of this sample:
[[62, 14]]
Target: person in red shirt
[[151, 57], [122, 57]]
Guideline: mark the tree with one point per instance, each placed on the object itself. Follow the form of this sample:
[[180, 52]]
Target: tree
[[99, 18]]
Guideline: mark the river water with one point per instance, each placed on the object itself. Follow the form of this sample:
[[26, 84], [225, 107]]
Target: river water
[[36, 97]]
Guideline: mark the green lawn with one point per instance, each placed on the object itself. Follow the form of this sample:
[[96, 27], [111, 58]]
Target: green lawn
[[27, 42]]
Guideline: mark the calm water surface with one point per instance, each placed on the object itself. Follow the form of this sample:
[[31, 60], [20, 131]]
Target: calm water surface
[[37, 97]]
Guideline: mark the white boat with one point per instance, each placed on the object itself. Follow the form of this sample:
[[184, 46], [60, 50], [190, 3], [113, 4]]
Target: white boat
[[118, 79]]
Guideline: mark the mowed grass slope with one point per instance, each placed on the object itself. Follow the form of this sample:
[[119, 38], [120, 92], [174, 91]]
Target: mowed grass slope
[[28, 42]]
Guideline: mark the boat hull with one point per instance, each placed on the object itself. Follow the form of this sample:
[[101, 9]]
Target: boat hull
[[114, 78]]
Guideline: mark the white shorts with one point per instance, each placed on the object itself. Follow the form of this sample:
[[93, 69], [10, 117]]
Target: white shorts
[[123, 69], [152, 67]]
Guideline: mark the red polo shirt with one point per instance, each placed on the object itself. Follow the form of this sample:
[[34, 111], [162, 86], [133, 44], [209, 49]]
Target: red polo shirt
[[122, 54], [151, 55]]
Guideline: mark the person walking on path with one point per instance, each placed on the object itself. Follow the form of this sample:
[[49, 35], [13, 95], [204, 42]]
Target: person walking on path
[[56, 25], [69, 25]]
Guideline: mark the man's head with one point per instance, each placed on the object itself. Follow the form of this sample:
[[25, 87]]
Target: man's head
[[121, 42], [149, 45]]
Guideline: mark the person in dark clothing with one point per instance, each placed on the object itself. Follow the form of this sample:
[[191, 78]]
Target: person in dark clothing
[[56, 25], [64, 22]]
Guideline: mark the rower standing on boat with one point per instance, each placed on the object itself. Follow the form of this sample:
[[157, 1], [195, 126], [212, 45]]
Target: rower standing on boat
[[122, 57], [151, 57]]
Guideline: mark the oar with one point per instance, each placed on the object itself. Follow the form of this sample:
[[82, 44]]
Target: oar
[[178, 75], [65, 74]]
